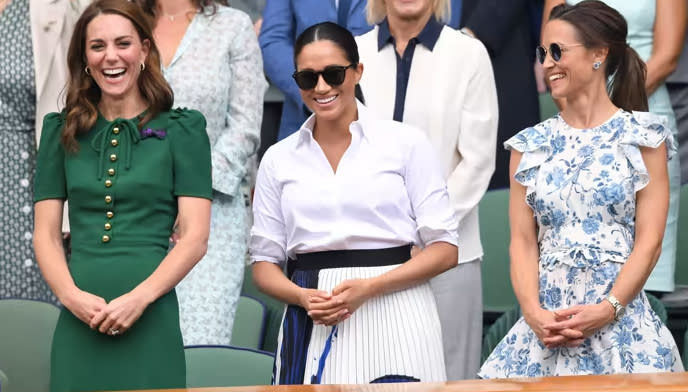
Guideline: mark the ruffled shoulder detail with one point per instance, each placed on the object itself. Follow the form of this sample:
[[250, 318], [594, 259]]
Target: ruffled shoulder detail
[[534, 143], [51, 131], [644, 129]]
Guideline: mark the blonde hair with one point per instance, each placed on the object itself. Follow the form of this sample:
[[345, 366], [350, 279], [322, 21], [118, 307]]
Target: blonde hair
[[376, 11]]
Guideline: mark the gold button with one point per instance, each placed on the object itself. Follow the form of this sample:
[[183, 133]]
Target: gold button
[[115, 130], [109, 214], [111, 172], [113, 157], [114, 142], [106, 238], [108, 183], [108, 199], [108, 226]]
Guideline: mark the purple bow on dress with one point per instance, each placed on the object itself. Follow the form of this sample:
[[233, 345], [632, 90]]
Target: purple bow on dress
[[148, 132]]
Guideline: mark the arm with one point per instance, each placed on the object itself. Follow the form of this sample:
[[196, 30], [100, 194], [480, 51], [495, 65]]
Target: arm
[[525, 253], [277, 36], [194, 227], [492, 20], [669, 29], [47, 242], [476, 140], [241, 137], [652, 205]]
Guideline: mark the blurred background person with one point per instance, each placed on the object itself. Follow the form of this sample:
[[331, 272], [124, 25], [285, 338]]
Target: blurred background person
[[283, 21], [211, 58], [129, 166], [677, 84], [656, 32], [33, 72], [507, 30], [588, 205], [421, 72]]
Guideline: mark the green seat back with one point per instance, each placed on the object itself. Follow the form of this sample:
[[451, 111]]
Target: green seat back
[[498, 295], [274, 311], [682, 239], [227, 366], [658, 307], [685, 351], [249, 323], [26, 328], [498, 330]]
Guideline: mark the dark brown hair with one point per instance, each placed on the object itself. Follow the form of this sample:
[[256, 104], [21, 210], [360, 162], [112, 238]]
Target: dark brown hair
[[208, 6], [601, 26], [83, 94]]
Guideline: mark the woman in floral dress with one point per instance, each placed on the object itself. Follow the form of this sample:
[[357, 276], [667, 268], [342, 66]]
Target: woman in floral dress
[[595, 179]]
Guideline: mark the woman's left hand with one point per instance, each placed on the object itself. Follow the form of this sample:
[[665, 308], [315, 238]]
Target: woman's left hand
[[120, 314], [587, 319], [352, 293]]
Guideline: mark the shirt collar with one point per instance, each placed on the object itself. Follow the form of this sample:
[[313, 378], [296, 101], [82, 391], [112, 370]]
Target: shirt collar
[[306, 130], [428, 36]]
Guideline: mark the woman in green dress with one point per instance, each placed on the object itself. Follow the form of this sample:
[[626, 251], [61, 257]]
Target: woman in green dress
[[128, 165]]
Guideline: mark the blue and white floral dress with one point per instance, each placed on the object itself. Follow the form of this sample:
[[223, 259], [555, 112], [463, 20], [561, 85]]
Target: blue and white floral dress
[[581, 185]]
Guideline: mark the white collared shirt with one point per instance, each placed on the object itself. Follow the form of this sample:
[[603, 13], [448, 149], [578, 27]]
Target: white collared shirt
[[388, 191]]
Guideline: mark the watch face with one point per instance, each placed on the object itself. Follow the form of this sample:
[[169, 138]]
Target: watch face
[[620, 312]]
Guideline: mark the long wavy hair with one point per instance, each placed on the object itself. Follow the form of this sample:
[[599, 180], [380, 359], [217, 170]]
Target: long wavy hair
[[601, 26], [83, 94], [208, 6]]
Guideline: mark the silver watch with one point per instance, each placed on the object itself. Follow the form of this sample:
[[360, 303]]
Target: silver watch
[[619, 310]]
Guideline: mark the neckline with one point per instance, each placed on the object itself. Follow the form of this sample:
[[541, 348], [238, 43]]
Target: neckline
[[606, 122]]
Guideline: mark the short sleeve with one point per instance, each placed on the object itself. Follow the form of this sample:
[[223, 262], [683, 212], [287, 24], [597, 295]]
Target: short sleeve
[[190, 154], [645, 129], [435, 219], [50, 182], [268, 240], [533, 143]]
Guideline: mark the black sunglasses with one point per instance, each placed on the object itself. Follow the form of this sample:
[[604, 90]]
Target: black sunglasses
[[555, 50], [333, 75]]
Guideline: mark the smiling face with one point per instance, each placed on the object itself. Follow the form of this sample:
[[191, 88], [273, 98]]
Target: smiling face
[[329, 103], [114, 54], [574, 71]]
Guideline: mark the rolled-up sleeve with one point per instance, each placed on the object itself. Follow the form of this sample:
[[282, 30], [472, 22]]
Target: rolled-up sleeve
[[435, 219], [268, 235]]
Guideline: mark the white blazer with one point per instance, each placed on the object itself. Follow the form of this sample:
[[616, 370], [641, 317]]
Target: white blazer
[[52, 22], [451, 95]]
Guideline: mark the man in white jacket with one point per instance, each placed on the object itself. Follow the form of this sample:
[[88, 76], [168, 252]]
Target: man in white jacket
[[421, 72]]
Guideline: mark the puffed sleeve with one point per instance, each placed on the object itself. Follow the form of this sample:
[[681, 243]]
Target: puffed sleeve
[[190, 154], [435, 219], [268, 241], [645, 130], [534, 143], [50, 182]]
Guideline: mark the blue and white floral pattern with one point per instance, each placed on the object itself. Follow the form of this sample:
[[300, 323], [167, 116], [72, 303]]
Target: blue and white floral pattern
[[581, 185]]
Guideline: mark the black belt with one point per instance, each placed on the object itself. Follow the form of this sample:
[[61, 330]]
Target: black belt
[[349, 258]]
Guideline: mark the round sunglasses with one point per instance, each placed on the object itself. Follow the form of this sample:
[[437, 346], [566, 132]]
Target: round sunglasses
[[555, 51], [333, 75]]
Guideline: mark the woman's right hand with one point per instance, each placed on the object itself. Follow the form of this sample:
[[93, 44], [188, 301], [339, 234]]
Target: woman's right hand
[[83, 305], [539, 318], [322, 307]]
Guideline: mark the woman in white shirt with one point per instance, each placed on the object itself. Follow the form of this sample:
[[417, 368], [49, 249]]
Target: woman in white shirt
[[341, 202]]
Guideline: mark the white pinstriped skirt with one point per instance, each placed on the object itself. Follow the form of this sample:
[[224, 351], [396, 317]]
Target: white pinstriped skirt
[[391, 338]]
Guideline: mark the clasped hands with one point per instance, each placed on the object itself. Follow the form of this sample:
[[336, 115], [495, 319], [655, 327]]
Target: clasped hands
[[571, 326], [113, 318], [332, 308]]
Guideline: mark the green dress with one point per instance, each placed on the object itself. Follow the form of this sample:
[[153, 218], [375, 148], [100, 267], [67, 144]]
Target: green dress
[[122, 188]]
